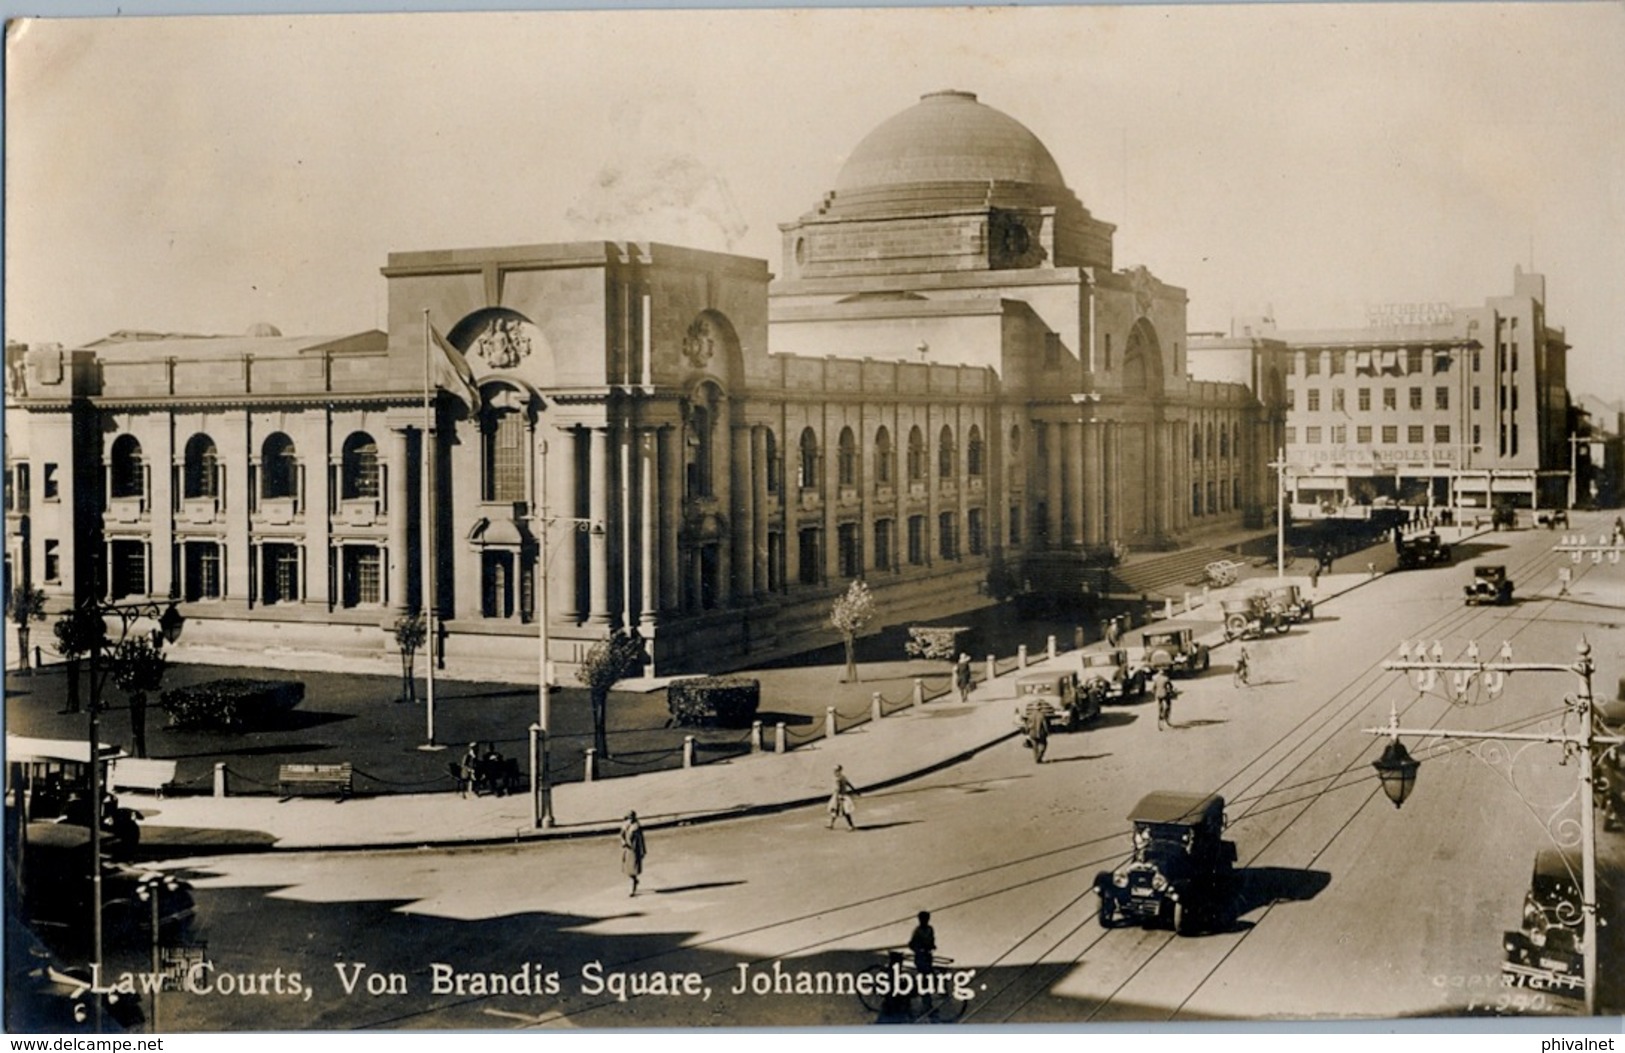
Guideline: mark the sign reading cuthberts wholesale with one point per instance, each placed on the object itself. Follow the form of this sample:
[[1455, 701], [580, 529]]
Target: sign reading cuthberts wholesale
[[1367, 456], [1380, 315]]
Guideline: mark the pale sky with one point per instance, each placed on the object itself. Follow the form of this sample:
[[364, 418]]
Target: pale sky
[[204, 174]]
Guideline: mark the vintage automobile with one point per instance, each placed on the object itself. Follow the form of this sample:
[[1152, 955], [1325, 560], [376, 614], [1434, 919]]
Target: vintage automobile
[[1548, 952], [1504, 517], [50, 779], [1059, 696], [1423, 550], [1181, 870], [1288, 601], [1490, 586], [1251, 617], [1109, 675], [1552, 518], [1174, 650]]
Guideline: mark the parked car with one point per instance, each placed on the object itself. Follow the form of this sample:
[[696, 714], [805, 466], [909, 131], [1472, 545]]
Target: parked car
[[1288, 601], [1180, 874], [1059, 696], [1111, 675], [1490, 586], [1250, 617], [1174, 650], [1504, 517], [1552, 518], [1548, 952], [1423, 550]]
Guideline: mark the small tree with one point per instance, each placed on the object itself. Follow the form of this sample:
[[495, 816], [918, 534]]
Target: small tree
[[608, 662], [139, 666], [411, 632], [78, 633], [852, 613], [26, 604]]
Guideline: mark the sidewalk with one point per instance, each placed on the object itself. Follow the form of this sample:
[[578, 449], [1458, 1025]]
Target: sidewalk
[[899, 747]]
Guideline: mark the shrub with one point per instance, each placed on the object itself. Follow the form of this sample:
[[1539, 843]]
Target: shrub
[[233, 704], [937, 641], [720, 701]]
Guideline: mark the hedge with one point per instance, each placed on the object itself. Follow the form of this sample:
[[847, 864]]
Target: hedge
[[232, 704], [714, 701]]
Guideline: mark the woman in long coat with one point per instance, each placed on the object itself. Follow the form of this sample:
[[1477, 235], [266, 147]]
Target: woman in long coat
[[633, 850]]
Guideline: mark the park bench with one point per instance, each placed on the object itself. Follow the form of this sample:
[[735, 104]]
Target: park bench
[[151, 776], [294, 779]]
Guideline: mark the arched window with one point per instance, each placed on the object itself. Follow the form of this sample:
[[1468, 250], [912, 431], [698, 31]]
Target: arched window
[[884, 455], [974, 454], [916, 455], [200, 474], [1235, 439], [129, 476], [1211, 448], [847, 458], [1224, 441], [946, 460], [279, 467], [503, 435], [808, 479], [1196, 442], [359, 472], [774, 470]]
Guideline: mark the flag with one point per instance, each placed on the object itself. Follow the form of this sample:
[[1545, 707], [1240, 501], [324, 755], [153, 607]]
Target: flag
[[448, 369]]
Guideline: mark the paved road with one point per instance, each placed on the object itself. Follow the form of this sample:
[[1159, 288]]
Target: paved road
[[1349, 907]]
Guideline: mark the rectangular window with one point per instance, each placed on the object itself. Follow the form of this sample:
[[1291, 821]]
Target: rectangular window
[[1291, 398], [1476, 361], [202, 570], [129, 576], [1441, 362], [362, 578], [49, 485], [1291, 435], [1441, 434], [1478, 435], [1337, 399], [1390, 434], [916, 540], [851, 550], [496, 581], [1476, 400], [1514, 399], [1311, 363], [1314, 399], [1514, 440], [1340, 434], [1362, 434], [1338, 362], [1416, 398], [1415, 434], [279, 582], [947, 536], [1413, 360], [812, 555], [1311, 435], [506, 463], [1441, 398], [1390, 398], [1291, 364], [883, 528], [1212, 498], [974, 532], [1365, 399], [53, 561], [1196, 499]]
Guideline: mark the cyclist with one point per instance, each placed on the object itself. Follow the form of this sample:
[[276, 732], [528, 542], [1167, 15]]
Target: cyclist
[[1243, 667]]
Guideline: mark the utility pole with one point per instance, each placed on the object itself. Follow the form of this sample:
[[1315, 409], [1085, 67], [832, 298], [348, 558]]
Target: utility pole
[[1581, 743]]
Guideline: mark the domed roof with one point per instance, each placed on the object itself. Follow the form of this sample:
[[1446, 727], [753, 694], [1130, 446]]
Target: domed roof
[[949, 137], [263, 329]]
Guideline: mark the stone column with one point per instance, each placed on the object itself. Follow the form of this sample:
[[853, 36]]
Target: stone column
[[742, 521], [314, 501], [1053, 495], [758, 470], [1072, 481], [671, 518], [563, 542], [962, 481], [626, 526], [648, 528], [722, 481], [399, 517], [599, 531]]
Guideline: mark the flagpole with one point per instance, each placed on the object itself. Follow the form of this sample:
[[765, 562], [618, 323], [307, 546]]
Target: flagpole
[[427, 546]]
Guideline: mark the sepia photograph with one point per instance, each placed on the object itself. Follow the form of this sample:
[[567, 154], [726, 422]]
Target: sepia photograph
[[1072, 516]]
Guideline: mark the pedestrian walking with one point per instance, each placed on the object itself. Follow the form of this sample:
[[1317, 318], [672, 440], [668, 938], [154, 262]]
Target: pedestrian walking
[[1565, 577], [1314, 578], [962, 677], [923, 944], [1037, 732], [840, 800], [1162, 689], [1243, 669], [633, 849], [468, 772], [1114, 632]]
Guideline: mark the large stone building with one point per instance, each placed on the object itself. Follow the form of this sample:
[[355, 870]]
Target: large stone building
[[951, 382], [1428, 404]]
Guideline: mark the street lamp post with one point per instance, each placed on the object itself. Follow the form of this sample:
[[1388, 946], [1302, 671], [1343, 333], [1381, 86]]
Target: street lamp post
[[170, 621], [149, 890], [1397, 770], [541, 790], [1280, 465]]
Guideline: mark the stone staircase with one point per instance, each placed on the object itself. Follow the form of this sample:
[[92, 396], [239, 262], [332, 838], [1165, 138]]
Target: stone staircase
[[1165, 573]]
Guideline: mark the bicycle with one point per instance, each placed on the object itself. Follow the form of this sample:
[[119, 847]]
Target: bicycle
[[879, 990]]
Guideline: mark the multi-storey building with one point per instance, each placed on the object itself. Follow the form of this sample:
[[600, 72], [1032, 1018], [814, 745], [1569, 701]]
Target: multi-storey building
[[952, 381], [1429, 404]]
